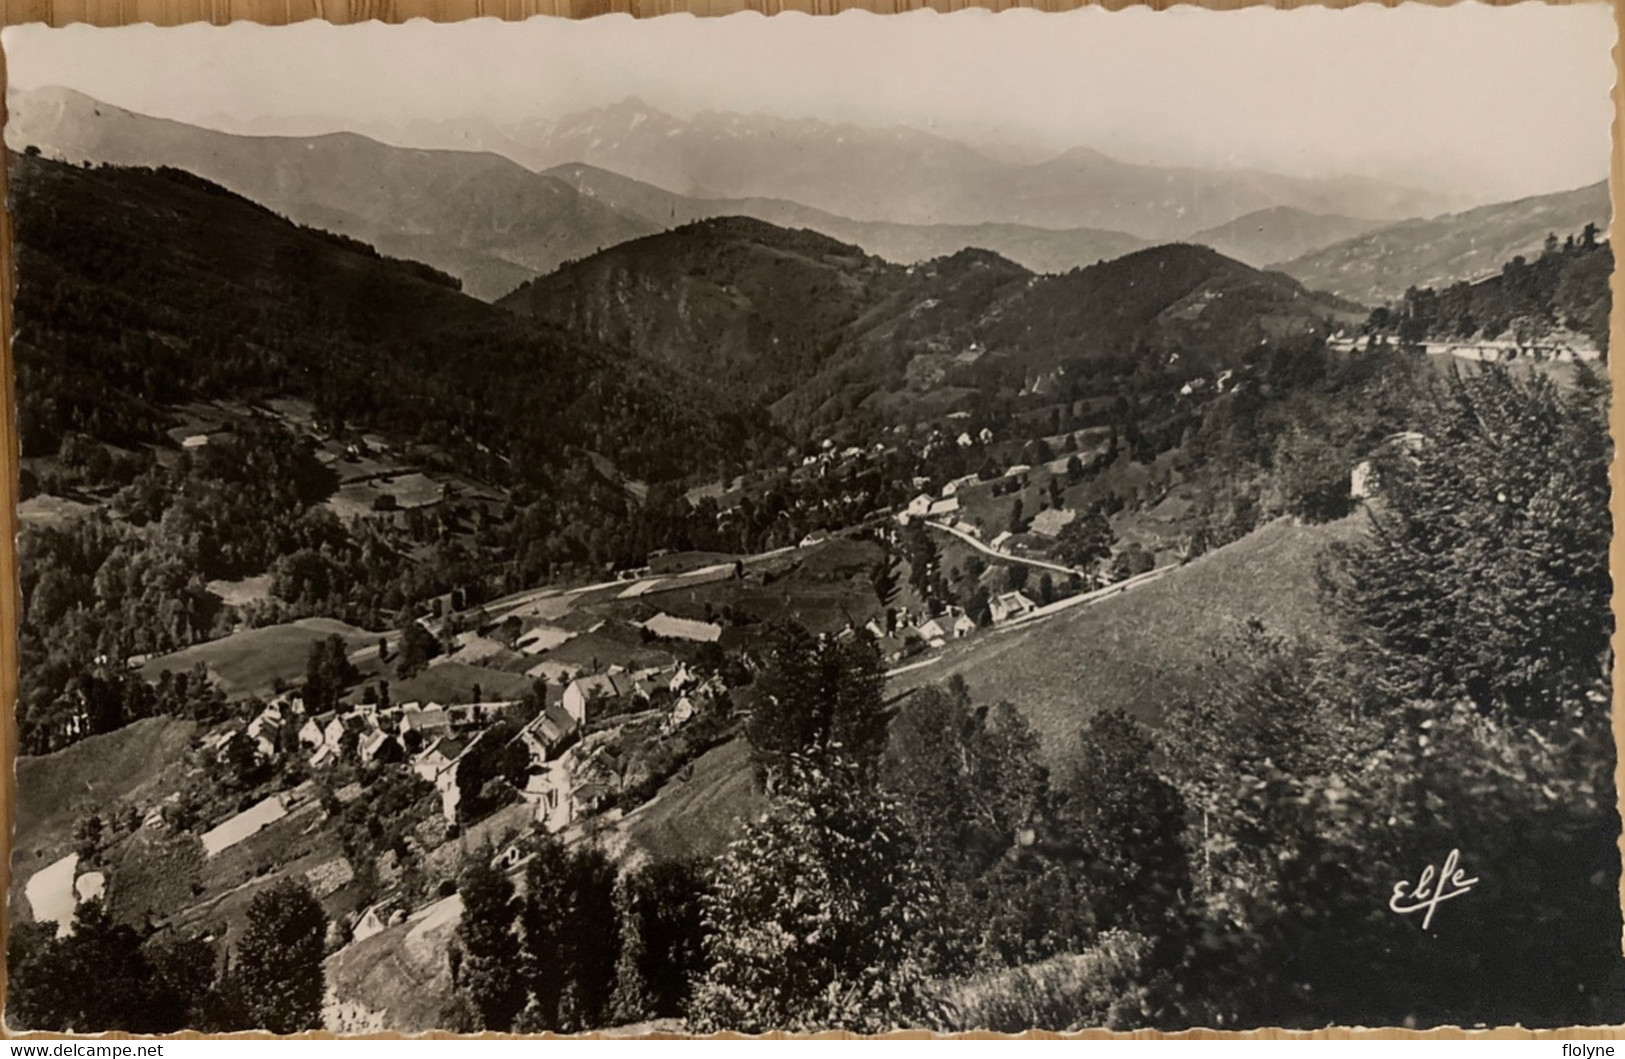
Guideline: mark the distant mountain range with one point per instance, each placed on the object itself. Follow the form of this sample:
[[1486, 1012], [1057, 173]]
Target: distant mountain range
[[1380, 265], [606, 177], [666, 353], [494, 223], [1038, 249], [906, 176]]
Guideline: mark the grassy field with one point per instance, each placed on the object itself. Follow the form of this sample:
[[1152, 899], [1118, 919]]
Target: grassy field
[[699, 816], [453, 682], [243, 592], [139, 763], [227, 883], [820, 587], [1142, 649], [51, 511], [249, 662]]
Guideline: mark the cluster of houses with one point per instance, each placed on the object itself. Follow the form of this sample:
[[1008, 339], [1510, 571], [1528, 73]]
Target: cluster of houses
[[914, 632], [566, 777], [569, 772], [828, 455], [1560, 346]]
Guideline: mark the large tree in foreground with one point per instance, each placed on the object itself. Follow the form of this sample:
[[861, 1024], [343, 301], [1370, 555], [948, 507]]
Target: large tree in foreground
[[488, 971], [279, 974], [819, 697], [815, 918]]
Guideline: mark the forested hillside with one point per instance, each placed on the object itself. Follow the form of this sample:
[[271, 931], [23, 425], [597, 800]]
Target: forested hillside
[[157, 284], [839, 338], [1378, 266], [1564, 288], [481, 217]]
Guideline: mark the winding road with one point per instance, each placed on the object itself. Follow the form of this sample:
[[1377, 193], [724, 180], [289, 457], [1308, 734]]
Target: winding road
[[1003, 556]]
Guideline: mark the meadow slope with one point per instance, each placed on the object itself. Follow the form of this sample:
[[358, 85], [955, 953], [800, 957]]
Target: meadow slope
[[1140, 650]]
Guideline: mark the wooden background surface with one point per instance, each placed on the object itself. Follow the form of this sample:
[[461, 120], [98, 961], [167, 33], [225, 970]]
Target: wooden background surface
[[282, 12]]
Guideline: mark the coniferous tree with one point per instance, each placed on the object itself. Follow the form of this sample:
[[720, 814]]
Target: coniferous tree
[[818, 696], [570, 938], [662, 935], [1486, 572]]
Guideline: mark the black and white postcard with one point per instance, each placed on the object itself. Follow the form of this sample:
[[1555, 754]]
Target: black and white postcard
[[936, 522]]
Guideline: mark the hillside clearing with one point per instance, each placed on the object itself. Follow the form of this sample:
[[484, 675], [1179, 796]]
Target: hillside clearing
[[249, 662], [1145, 648], [697, 816], [141, 761]]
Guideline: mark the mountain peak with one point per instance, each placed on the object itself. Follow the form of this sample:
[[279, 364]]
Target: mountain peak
[[1083, 157]]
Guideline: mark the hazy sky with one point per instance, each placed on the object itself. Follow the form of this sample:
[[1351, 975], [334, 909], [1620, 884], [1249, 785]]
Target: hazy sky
[[1489, 102]]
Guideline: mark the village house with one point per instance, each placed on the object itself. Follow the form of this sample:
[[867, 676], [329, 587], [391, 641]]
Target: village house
[[944, 507], [585, 690], [998, 543], [963, 626], [646, 686], [1008, 605], [551, 731], [682, 711], [312, 733], [334, 731], [591, 796], [547, 791], [381, 748], [933, 633], [920, 506], [429, 722], [266, 732], [440, 765], [682, 678]]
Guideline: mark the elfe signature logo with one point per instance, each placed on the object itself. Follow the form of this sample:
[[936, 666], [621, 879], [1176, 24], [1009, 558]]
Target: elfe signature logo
[[1432, 889]]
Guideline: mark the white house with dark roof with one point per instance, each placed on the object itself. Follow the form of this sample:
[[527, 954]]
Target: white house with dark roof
[[1010, 605], [585, 690]]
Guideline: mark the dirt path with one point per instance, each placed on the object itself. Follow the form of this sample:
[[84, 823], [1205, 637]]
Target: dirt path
[[1003, 556]]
